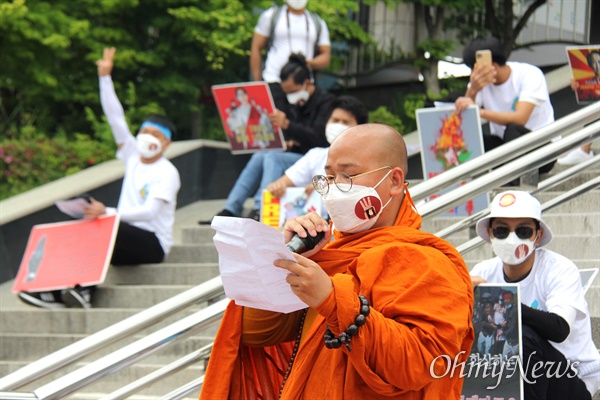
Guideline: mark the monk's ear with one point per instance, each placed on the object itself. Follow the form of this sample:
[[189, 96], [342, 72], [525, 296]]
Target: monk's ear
[[397, 176]]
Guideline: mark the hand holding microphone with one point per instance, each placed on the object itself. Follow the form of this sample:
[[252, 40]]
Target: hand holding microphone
[[307, 234], [307, 279]]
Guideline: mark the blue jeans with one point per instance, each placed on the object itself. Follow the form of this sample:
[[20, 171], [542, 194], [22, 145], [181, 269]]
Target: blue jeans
[[262, 169]]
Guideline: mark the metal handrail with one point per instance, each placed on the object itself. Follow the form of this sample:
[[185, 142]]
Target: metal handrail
[[544, 185], [131, 353], [17, 396], [509, 171], [558, 200], [200, 320], [160, 373], [37, 369], [506, 152], [184, 390], [465, 247]]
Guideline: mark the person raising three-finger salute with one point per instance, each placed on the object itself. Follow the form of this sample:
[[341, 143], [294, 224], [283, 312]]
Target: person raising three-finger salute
[[387, 303]]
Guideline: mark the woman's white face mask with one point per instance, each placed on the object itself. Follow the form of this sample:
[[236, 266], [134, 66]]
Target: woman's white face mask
[[355, 210], [512, 250], [148, 145], [333, 130]]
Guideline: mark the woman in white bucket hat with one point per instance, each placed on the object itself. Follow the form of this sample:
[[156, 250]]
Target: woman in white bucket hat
[[559, 356]]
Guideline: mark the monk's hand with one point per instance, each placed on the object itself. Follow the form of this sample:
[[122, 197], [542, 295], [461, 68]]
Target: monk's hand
[[307, 279], [94, 210], [305, 225], [476, 280]]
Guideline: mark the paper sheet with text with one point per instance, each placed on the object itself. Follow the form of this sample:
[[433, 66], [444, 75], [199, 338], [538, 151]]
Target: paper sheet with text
[[247, 250]]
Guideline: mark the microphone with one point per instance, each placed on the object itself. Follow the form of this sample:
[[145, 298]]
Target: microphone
[[300, 245]]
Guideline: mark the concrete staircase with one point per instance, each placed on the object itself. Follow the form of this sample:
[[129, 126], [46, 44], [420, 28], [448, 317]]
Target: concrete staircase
[[27, 333]]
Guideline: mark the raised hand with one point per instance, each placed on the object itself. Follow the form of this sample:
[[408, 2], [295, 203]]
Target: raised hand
[[105, 64]]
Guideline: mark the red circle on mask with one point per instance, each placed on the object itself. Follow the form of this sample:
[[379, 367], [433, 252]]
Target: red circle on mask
[[367, 207]]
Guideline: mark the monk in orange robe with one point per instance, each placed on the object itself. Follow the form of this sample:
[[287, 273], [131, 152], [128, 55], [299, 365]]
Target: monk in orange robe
[[417, 329]]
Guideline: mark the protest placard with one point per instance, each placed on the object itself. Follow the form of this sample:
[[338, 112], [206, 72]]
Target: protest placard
[[65, 254], [275, 211], [449, 139], [243, 108], [585, 69], [493, 369]]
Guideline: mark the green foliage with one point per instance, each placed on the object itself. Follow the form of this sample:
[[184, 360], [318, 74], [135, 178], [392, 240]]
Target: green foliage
[[382, 115], [34, 160]]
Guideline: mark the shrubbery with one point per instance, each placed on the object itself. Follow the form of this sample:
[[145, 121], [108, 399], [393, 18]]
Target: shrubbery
[[26, 163]]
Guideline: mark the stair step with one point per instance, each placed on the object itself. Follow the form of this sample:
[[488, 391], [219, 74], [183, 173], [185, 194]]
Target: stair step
[[110, 383], [560, 223], [33, 346], [162, 274], [73, 320], [193, 253], [138, 296]]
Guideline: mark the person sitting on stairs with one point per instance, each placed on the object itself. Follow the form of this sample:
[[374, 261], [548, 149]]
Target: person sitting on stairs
[[148, 196]]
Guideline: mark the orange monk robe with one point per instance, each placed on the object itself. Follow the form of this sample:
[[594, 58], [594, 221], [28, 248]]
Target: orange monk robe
[[421, 302]]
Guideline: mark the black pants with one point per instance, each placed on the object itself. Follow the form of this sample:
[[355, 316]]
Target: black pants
[[538, 351], [136, 246], [512, 132]]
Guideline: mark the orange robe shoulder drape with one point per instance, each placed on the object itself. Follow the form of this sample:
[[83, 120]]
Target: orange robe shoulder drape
[[421, 302]]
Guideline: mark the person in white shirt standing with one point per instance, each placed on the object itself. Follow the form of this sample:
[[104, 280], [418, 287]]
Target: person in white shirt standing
[[556, 332], [282, 31], [148, 196]]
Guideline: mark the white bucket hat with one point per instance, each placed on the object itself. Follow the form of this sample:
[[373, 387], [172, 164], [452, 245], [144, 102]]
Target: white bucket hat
[[514, 204]]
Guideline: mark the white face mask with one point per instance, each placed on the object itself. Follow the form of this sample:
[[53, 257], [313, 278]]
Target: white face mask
[[148, 145], [333, 130], [297, 4], [300, 97], [512, 250], [355, 210]]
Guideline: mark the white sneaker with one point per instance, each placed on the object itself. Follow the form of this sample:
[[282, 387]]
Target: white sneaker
[[575, 157]]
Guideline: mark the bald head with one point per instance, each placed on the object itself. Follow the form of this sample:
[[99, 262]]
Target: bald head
[[375, 144]]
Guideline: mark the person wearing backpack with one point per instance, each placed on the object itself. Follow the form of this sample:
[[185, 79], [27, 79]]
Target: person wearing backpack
[[281, 31]]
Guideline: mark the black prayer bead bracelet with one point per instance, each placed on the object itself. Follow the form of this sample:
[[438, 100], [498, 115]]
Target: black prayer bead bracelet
[[344, 338]]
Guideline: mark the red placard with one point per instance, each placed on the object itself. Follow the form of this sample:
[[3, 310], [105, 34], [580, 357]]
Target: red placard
[[65, 254], [243, 108], [585, 67]]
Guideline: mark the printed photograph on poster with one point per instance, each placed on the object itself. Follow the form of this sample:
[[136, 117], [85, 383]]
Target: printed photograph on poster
[[244, 108], [66, 254], [492, 370], [585, 69], [275, 211], [447, 140]]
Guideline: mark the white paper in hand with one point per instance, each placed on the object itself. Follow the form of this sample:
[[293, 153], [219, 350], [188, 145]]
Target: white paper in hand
[[247, 250]]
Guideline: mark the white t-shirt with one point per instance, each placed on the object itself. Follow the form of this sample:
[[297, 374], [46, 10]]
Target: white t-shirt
[[159, 180], [554, 281], [299, 36], [311, 164], [525, 83]]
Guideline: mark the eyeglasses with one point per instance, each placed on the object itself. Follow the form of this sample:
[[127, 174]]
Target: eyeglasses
[[523, 232], [342, 181]]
